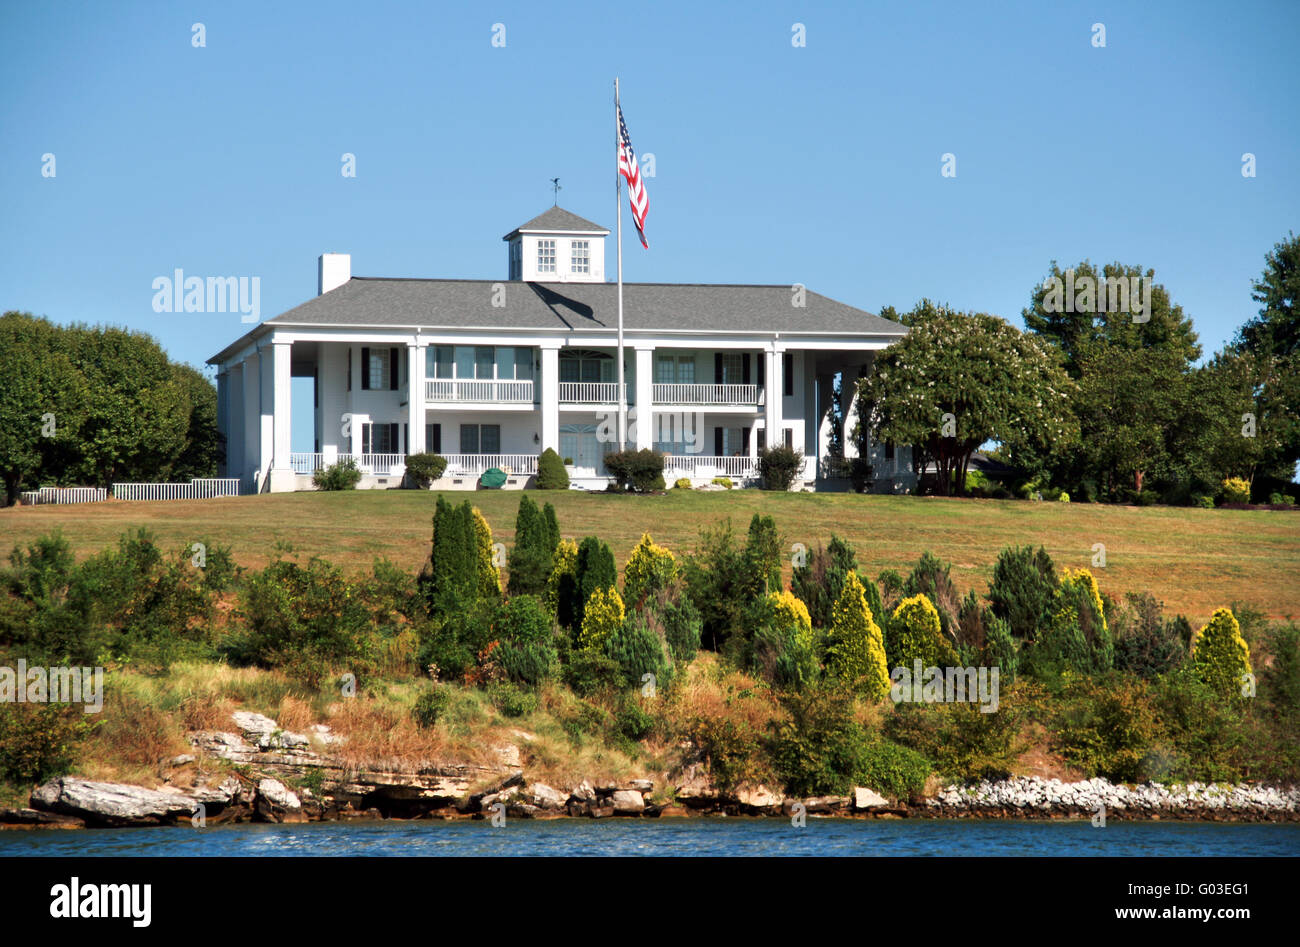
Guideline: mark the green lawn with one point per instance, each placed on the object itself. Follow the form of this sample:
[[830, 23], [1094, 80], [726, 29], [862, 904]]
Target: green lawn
[[1193, 560]]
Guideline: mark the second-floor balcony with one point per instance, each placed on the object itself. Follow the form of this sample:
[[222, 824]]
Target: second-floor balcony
[[484, 391], [745, 395], [589, 392]]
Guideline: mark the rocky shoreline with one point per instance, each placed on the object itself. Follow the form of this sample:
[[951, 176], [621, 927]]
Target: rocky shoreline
[[264, 759]]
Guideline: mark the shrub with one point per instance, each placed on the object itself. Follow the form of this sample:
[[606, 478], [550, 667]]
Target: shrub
[[1235, 490], [649, 569], [587, 672], [512, 700], [1205, 736], [639, 470], [345, 475], [963, 742], [822, 750], [638, 651], [1281, 499], [930, 578], [780, 645], [459, 570], [763, 551], [1000, 651], [1107, 728], [1145, 644], [594, 571], [528, 662], [1080, 588], [562, 582], [721, 583], [682, 483], [1203, 501], [680, 623], [1220, 656], [489, 576], [1023, 589], [820, 580], [856, 648], [779, 467], [602, 616], [732, 750], [532, 556], [551, 474], [1077, 637], [1063, 498], [860, 470], [39, 741], [633, 721], [430, 706], [977, 482], [425, 468], [914, 633], [723, 482]]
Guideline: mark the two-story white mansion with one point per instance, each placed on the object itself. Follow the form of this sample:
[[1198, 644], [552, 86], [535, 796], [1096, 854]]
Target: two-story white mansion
[[488, 374]]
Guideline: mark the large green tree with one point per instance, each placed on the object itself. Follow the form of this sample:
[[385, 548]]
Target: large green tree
[[959, 379]]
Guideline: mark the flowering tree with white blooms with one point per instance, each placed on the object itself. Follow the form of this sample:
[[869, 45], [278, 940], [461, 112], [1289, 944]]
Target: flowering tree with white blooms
[[957, 380]]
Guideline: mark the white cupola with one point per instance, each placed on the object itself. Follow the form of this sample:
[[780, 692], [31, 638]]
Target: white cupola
[[557, 247]]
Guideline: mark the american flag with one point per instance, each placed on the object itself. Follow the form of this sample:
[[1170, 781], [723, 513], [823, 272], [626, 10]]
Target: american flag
[[627, 167]]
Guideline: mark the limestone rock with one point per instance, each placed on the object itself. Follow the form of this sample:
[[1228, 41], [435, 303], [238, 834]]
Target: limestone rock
[[864, 798], [628, 802], [111, 804]]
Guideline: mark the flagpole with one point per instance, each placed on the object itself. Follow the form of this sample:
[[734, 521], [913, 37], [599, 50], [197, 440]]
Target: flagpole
[[618, 202]]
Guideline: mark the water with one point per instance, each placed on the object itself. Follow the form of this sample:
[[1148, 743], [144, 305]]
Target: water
[[672, 837]]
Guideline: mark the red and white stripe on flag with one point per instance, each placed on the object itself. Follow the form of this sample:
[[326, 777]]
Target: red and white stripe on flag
[[627, 167]]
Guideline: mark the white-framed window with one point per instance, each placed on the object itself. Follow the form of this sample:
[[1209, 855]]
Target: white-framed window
[[580, 257], [545, 256], [733, 368], [585, 366], [480, 438], [380, 439], [674, 369], [378, 369], [481, 362]]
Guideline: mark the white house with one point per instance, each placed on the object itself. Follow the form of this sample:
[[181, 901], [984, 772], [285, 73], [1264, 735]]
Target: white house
[[488, 374]]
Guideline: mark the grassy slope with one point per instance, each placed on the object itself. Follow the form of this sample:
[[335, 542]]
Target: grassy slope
[[1193, 560]]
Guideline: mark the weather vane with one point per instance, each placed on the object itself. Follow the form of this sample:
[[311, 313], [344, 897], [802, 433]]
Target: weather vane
[[555, 186]]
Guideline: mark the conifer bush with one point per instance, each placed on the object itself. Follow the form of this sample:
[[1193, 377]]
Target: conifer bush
[[820, 580], [594, 570], [914, 628], [650, 569], [602, 617], [561, 583], [532, 556], [638, 651], [1023, 589], [856, 648], [1220, 656], [551, 474]]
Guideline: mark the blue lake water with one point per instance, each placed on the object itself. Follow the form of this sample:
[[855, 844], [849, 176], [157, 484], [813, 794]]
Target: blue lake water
[[672, 837]]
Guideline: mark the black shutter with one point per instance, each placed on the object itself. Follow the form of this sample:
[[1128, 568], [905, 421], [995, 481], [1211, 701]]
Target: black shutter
[[744, 437], [745, 371], [762, 367], [365, 438], [437, 438], [349, 368], [762, 439], [787, 368], [717, 368], [394, 366], [717, 442], [393, 446], [365, 368], [406, 438]]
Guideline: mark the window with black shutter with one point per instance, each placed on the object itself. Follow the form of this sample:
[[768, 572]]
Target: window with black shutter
[[393, 368], [787, 369], [365, 368], [718, 450]]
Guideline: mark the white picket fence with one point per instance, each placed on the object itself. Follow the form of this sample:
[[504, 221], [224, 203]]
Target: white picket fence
[[65, 495], [205, 489]]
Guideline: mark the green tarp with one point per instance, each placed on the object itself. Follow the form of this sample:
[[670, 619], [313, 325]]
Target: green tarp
[[493, 478]]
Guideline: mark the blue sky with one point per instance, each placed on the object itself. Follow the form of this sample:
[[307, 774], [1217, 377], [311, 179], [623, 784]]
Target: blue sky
[[775, 164]]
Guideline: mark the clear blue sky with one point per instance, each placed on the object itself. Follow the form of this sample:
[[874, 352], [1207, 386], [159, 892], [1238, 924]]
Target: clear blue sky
[[775, 164]]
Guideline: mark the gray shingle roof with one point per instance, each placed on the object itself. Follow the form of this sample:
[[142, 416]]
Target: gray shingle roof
[[467, 304], [557, 218]]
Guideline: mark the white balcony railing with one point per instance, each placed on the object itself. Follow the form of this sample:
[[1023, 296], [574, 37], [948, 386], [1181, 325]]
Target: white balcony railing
[[708, 394], [465, 465], [589, 392], [700, 465], [443, 390]]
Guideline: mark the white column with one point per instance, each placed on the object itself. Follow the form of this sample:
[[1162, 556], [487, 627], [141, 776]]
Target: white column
[[550, 382], [645, 416], [282, 476], [774, 381], [415, 397], [234, 428], [251, 455]]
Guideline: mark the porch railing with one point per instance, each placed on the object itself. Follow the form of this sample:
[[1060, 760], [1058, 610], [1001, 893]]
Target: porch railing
[[381, 465], [708, 394], [464, 465], [701, 465], [201, 489], [443, 390], [589, 392]]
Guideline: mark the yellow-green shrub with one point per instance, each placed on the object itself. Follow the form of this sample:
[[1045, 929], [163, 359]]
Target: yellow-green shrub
[[566, 564], [856, 652], [1220, 656], [1236, 490], [651, 568], [914, 627], [602, 616]]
